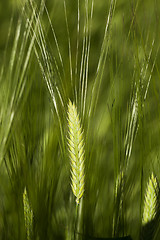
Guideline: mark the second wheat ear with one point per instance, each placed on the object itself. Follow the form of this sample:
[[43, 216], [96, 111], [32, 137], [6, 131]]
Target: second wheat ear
[[76, 151], [28, 215], [150, 204]]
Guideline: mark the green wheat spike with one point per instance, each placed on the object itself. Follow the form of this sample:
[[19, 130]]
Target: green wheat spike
[[28, 215], [76, 151], [150, 203]]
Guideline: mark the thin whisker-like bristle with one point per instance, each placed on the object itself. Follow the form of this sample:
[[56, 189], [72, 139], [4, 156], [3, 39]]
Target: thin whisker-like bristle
[[69, 45]]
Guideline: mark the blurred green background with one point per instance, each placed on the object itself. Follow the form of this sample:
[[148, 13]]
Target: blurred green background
[[34, 156]]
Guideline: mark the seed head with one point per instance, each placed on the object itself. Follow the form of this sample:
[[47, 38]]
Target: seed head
[[76, 151]]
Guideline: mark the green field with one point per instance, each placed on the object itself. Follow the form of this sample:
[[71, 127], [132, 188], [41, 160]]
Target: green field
[[79, 119]]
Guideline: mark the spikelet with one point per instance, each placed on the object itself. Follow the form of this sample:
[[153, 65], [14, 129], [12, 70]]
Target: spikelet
[[28, 215], [76, 151], [150, 204]]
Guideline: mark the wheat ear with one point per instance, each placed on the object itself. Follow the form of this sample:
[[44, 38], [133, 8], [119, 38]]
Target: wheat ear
[[28, 215], [76, 151], [150, 203]]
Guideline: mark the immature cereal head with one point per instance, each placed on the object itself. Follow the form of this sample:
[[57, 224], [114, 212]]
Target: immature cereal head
[[28, 215], [150, 203], [76, 151]]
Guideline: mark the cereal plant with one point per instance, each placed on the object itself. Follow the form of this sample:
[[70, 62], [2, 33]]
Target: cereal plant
[[79, 120]]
